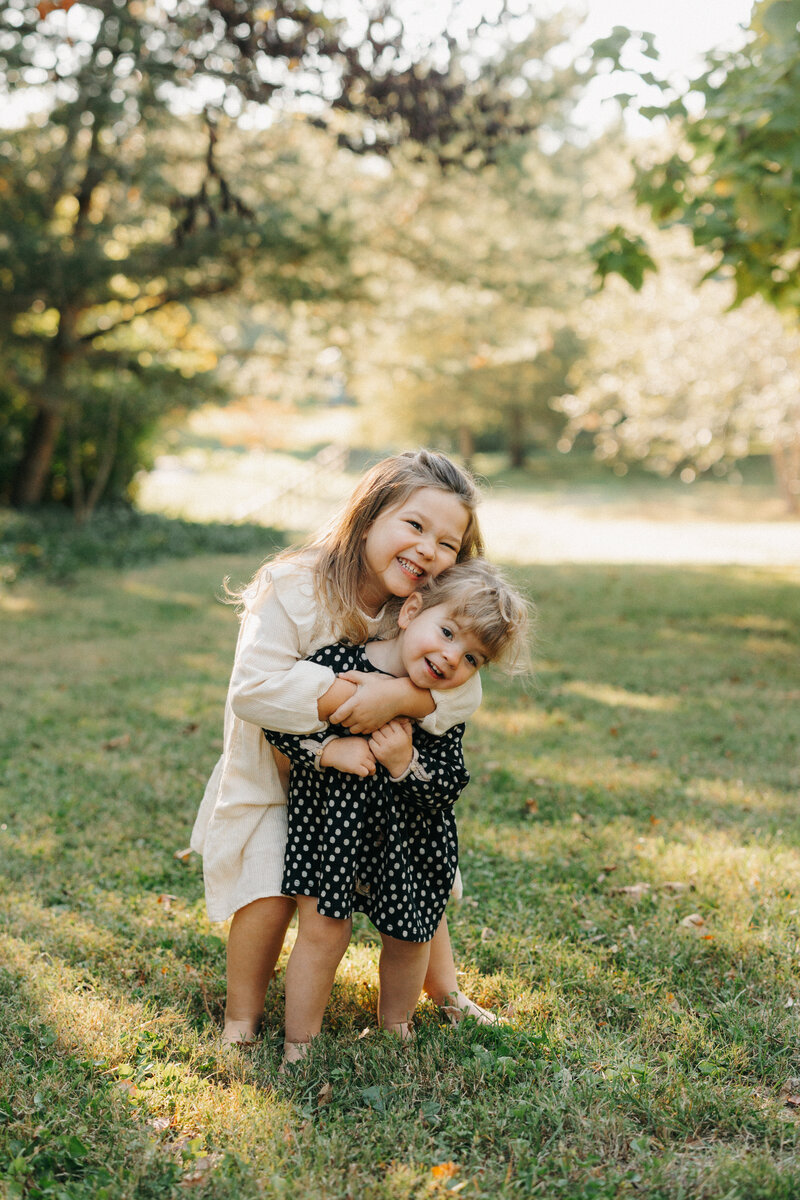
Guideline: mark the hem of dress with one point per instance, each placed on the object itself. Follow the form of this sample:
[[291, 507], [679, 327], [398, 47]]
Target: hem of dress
[[232, 911]]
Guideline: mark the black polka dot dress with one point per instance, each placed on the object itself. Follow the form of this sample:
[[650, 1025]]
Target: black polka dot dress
[[386, 847]]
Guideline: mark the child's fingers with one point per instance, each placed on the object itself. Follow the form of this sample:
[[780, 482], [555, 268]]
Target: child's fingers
[[356, 676], [341, 714]]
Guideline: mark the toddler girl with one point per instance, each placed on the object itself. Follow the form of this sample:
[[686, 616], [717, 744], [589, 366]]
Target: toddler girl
[[410, 517], [371, 823]]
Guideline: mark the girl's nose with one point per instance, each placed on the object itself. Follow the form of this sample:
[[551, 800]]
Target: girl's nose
[[427, 547]]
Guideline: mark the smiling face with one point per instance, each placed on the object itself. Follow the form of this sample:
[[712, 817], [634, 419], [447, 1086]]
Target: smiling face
[[411, 543], [438, 650]]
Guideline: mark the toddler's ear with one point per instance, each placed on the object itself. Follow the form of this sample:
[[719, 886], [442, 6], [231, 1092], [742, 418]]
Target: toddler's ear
[[411, 606]]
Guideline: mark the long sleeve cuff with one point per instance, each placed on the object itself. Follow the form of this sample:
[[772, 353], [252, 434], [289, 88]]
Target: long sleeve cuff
[[414, 769]]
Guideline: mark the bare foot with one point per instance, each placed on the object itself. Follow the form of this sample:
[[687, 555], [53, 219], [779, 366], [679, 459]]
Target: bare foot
[[402, 1029], [461, 1006], [293, 1052], [240, 1033]]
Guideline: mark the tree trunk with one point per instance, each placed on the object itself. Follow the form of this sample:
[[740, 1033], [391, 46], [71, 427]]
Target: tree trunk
[[466, 444], [33, 471], [786, 466], [516, 436], [107, 459]]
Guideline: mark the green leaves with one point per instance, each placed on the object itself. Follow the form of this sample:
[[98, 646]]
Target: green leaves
[[621, 253], [781, 20]]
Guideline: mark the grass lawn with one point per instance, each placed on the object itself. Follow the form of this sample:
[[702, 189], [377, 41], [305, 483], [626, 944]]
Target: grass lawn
[[631, 856]]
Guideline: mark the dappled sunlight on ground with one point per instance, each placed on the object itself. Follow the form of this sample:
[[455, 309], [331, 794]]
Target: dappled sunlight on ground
[[754, 623], [735, 793], [529, 721], [597, 525], [522, 530], [599, 770], [117, 1036], [616, 697], [16, 605], [136, 586]]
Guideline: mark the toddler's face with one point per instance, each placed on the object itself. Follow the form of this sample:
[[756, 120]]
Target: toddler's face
[[439, 651]]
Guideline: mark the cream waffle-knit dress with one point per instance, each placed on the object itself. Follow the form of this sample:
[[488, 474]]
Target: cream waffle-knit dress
[[241, 826]]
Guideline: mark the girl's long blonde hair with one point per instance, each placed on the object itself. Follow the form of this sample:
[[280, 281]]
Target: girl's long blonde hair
[[336, 553]]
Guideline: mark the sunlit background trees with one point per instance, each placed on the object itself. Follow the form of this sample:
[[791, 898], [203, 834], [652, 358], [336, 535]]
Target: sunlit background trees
[[286, 211]]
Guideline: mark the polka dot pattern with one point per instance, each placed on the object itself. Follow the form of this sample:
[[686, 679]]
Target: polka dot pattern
[[388, 848]]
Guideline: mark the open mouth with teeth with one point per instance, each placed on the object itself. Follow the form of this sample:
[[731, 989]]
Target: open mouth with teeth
[[410, 568], [434, 671]]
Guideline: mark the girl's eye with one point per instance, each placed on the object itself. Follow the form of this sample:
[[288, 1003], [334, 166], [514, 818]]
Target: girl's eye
[[415, 525], [472, 660], [448, 633], [448, 546]]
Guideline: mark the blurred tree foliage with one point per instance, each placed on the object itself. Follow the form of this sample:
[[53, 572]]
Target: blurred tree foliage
[[122, 206], [467, 335], [677, 381], [730, 174]]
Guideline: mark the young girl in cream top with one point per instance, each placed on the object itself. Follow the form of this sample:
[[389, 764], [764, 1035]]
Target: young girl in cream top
[[410, 517]]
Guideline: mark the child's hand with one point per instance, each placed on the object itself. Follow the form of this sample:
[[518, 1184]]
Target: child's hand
[[349, 754], [392, 745], [378, 700]]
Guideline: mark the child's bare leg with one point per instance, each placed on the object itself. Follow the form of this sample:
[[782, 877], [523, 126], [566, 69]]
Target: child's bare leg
[[321, 942], [254, 943], [401, 972], [442, 986]]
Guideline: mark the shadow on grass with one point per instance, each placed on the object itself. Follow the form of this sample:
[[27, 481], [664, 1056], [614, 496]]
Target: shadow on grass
[[49, 543]]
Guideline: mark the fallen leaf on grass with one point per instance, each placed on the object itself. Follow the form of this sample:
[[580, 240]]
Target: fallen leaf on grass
[[445, 1170], [159, 1124], [117, 743], [675, 886], [532, 805], [324, 1095], [487, 934], [696, 923], [127, 1085], [633, 891], [165, 900], [792, 1101]]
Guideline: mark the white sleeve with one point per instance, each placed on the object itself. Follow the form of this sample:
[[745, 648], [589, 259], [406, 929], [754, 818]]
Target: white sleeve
[[271, 685], [453, 707]]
